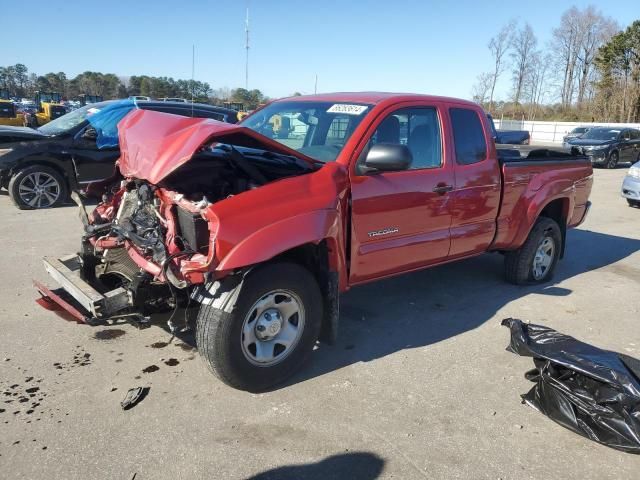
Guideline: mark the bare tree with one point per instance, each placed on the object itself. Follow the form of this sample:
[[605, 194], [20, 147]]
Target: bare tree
[[566, 43], [498, 46], [482, 88], [536, 81], [594, 30], [523, 46]]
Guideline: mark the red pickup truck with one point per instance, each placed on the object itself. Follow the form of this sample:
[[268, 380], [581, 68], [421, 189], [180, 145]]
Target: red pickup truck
[[266, 222]]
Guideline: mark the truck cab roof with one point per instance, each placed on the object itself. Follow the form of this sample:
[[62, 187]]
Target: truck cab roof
[[374, 98]]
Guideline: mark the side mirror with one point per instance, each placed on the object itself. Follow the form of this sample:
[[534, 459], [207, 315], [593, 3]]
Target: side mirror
[[387, 157], [90, 134]]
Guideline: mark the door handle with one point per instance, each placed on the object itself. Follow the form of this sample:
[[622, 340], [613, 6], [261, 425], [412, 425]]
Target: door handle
[[441, 188]]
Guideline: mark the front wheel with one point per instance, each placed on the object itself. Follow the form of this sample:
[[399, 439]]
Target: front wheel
[[37, 186], [256, 334], [612, 161], [536, 260], [633, 203]]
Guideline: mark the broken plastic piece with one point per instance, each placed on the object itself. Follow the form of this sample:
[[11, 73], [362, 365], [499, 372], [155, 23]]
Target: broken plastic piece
[[593, 392], [133, 397]]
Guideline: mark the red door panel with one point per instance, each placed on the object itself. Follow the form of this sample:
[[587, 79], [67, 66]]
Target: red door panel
[[476, 197], [399, 223], [401, 220]]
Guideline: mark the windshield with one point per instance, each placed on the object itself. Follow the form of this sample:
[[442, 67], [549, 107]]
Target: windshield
[[67, 122], [579, 130], [316, 129], [601, 134]]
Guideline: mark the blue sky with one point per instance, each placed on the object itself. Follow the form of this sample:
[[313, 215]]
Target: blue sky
[[436, 47]]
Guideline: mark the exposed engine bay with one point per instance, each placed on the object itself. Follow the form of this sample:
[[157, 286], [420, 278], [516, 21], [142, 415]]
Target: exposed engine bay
[[135, 238], [211, 176]]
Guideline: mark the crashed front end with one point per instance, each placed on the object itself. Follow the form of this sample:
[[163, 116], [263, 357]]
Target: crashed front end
[[152, 239], [142, 250]]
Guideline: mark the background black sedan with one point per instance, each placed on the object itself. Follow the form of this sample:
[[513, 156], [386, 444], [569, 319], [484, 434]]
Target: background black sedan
[[575, 133], [606, 146], [39, 167]]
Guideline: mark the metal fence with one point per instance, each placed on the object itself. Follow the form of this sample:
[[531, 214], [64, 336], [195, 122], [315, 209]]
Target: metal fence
[[553, 132]]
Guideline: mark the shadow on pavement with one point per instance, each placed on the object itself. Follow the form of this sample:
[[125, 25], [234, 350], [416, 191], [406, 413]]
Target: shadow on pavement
[[422, 308], [360, 465]]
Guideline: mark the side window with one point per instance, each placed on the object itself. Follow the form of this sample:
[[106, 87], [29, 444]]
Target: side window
[[418, 129], [626, 135], [468, 136], [635, 134]]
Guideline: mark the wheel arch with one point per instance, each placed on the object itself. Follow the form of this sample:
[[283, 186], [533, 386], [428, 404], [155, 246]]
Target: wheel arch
[[47, 162], [315, 257], [558, 210], [311, 240]]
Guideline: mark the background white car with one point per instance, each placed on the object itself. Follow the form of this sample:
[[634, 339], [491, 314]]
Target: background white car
[[631, 185]]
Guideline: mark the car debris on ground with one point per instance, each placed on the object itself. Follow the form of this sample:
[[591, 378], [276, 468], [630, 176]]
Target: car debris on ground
[[593, 392], [133, 397]]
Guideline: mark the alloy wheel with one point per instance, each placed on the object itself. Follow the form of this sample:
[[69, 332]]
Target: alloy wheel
[[39, 190]]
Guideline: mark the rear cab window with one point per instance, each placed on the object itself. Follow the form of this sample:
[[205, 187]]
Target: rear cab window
[[468, 136]]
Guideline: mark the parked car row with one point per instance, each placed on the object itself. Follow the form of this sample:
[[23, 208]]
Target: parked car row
[[39, 167], [574, 133], [606, 146]]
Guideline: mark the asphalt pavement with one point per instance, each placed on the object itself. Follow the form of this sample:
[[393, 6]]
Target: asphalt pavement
[[419, 384]]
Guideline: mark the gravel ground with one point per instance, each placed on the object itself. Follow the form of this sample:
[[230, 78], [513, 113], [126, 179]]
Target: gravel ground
[[419, 384]]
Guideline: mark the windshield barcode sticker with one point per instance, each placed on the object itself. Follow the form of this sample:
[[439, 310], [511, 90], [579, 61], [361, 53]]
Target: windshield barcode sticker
[[348, 109]]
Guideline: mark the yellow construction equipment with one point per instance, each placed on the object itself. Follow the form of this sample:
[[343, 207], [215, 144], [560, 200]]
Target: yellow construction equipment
[[238, 107], [8, 113], [49, 108]]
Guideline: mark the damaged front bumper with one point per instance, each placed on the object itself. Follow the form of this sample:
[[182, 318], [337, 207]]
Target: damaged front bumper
[[78, 298]]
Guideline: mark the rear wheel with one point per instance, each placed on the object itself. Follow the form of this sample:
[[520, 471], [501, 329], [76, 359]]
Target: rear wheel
[[36, 187], [536, 260], [612, 161], [257, 333]]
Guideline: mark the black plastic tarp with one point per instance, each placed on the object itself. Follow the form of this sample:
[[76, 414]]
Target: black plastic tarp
[[594, 392]]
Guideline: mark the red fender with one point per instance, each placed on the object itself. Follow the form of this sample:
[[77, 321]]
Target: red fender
[[273, 239]]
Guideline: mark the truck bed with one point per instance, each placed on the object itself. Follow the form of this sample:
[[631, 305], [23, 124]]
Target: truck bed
[[531, 181]]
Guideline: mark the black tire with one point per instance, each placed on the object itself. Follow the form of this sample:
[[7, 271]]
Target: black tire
[[519, 264], [22, 178], [220, 322], [612, 161], [633, 203]]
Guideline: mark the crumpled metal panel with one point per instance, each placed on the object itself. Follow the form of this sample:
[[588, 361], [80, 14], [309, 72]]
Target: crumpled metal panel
[[154, 144], [594, 392]]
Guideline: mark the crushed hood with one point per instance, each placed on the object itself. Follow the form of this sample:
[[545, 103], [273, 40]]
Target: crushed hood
[[154, 144]]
